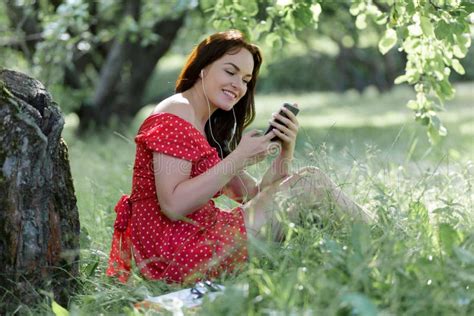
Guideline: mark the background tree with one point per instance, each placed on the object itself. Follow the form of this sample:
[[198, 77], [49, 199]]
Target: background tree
[[103, 54]]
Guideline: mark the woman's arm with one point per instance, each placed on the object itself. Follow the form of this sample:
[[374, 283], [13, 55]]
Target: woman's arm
[[179, 195], [242, 187], [247, 187], [279, 169]]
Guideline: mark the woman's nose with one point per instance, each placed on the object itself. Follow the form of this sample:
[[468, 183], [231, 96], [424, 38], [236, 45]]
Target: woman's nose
[[238, 83]]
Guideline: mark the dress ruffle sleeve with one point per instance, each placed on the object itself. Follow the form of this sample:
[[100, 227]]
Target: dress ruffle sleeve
[[171, 135]]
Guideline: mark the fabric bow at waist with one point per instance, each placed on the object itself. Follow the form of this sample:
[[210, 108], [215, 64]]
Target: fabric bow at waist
[[121, 249], [124, 212]]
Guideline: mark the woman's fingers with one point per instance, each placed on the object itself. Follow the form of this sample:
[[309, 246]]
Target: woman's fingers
[[290, 123], [269, 136], [283, 136], [280, 127], [254, 132], [283, 120]]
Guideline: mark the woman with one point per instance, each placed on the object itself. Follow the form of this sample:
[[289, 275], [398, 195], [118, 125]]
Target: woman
[[190, 150]]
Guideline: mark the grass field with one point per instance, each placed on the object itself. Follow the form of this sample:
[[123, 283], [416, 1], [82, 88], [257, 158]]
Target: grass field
[[417, 258]]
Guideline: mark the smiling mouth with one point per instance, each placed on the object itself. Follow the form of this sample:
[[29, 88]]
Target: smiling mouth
[[230, 94]]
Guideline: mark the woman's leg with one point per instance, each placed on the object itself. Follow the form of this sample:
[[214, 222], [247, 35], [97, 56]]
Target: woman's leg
[[309, 187]]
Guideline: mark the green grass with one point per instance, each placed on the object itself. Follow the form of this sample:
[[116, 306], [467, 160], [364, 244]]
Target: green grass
[[416, 259]]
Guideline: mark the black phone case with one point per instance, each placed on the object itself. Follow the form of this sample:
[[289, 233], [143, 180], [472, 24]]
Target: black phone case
[[290, 107]]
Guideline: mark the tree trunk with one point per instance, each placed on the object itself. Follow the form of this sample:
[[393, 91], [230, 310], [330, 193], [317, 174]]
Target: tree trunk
[[39, 220], [124, 67], [124, 77]]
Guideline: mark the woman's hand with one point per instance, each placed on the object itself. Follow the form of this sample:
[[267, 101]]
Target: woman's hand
[[287, 131], [254, 147]]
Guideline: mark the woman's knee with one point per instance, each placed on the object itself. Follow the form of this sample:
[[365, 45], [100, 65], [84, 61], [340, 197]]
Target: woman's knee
[[303, 172], [312, 173], [308, 169], [296, 177]]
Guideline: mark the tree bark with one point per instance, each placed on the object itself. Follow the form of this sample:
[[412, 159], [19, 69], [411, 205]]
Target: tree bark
[[39, 220]]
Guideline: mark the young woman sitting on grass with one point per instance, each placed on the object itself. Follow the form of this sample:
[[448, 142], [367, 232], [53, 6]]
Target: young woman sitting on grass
[[192, 149]]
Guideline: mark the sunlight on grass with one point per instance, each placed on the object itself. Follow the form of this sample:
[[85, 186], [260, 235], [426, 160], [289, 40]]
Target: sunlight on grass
[[352, 121], [417, 258]]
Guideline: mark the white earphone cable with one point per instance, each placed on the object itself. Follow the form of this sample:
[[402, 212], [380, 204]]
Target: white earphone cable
[[212, 135]]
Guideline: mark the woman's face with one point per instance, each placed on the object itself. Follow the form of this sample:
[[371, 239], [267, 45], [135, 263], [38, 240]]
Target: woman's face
[[225, 80]]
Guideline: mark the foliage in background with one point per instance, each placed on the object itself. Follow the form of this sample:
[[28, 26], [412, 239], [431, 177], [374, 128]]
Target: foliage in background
[[95, 55], [70, 45], [434, 34]]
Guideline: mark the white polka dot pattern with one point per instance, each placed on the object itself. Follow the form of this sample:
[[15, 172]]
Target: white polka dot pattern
[[209, 243]]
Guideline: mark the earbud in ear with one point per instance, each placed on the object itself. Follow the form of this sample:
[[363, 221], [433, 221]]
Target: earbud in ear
[[202, 74]]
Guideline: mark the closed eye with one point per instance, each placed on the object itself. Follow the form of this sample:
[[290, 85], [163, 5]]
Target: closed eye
[[232, 73]]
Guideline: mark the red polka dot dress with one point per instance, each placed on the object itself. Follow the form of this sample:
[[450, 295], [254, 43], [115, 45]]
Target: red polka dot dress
[[208, 243]]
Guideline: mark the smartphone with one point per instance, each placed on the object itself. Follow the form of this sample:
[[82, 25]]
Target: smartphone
[[290, 107]]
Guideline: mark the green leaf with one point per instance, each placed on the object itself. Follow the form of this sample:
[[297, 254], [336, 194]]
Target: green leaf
[[448, 237], [58, 310], [401, 79], [388, 40], [415, 30], [453, 3], [303, 17], [361, 22], [464, 40], [316, 11], [413, 105], [91, 267], [264, 26], [459, 51], [290, 20], [442, 30], [421, 98], [447, 91], [419, 213], [433, 135], [423, 119], [206, 4], [250, 7], [411, 44], [381, 19], [436, 123], [222, 24], [426, 26], [357, 7], [273, 40], [457, 67]]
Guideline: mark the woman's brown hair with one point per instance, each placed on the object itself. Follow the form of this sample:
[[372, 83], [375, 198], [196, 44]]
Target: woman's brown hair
[[208, 51]]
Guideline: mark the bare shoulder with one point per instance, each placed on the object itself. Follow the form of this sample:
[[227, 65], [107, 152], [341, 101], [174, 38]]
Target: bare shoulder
[[176, 105]]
